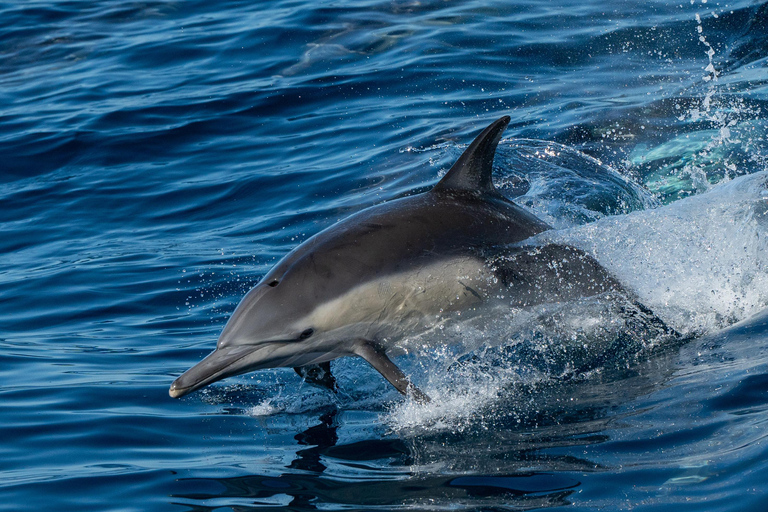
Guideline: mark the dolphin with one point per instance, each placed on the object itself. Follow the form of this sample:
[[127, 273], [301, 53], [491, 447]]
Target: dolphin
[[392, 270]]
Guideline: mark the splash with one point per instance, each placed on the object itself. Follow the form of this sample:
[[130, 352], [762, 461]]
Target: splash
[[539, 171], [720, 136], [700, 264]]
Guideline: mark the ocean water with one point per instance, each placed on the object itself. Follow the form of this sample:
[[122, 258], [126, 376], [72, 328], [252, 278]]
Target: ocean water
[[158, 157]]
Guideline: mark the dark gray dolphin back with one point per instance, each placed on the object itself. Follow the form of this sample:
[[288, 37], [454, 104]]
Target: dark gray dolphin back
[[472, 171]]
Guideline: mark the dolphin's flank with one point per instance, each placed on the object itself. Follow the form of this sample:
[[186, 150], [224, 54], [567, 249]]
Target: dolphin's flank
[[390, 271]]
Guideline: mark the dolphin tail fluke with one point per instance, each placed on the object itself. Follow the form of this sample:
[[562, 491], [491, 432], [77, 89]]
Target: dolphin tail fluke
[[472, 171], [389, 370]]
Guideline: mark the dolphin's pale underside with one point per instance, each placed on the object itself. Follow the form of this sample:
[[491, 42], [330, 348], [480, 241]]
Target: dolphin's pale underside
[[363, 284]]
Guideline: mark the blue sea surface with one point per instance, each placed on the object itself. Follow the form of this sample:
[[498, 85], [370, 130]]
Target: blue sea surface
[[158, 157]]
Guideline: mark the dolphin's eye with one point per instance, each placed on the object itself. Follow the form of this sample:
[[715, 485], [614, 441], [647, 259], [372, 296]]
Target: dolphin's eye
[[306, 334], [274, 283]]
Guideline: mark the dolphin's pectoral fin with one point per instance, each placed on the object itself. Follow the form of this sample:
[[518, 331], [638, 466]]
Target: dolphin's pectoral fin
[[377, 358], [318, 374]]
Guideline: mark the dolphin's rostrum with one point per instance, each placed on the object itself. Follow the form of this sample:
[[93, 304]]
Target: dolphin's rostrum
[[394, 269]]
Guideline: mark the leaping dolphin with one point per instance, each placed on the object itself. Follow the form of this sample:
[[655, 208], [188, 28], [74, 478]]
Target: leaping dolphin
[[360, 286]]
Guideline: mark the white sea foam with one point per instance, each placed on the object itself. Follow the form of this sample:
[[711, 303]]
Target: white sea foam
[[700, 263], [265, 408]]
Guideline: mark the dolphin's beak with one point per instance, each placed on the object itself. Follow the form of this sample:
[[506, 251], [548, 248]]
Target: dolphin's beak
[[220, 364]]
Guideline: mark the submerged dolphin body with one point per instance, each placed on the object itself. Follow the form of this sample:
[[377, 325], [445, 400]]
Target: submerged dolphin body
[[395, 269]]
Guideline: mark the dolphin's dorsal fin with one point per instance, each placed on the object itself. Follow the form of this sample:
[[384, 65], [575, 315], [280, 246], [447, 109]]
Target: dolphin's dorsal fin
[[472, 171]]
